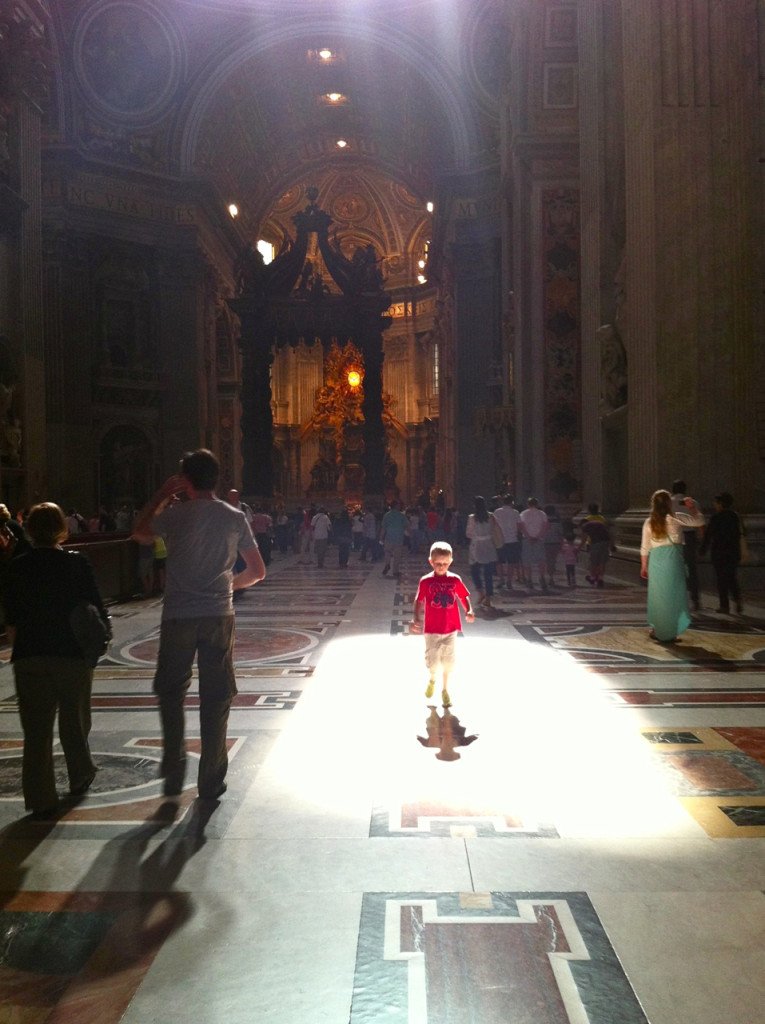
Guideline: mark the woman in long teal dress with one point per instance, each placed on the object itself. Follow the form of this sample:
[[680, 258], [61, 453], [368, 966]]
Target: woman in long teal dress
[[663, 565]]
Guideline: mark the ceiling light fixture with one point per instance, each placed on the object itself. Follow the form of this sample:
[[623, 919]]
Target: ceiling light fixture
[[233, 209], [422, 279], [334, 97], [341, 143], [429, 207], [421, 264], [325, 54]]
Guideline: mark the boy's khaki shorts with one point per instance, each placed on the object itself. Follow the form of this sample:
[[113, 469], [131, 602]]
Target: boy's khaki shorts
[[439, 650]]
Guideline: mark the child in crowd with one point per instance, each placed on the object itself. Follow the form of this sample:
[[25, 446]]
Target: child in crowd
[[436, 613], [569, 549]]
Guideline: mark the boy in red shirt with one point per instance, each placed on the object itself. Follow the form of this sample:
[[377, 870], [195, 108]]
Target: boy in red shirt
[[436, 613]]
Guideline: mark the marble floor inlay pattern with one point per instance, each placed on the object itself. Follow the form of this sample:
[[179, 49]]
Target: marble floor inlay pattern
[[578, 840], [541, 957]]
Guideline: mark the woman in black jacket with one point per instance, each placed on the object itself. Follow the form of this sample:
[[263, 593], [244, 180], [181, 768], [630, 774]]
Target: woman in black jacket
[[51, 671]]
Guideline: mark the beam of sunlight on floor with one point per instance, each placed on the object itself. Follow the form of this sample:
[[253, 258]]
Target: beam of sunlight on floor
[[550, 747]]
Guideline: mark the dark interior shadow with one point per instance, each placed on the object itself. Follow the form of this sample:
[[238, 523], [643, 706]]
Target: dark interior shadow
[[17, 841], [445, 732], [124, 908], [700, 656]]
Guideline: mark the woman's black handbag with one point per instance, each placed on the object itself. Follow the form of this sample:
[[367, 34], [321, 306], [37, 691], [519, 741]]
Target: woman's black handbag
[[90, 631]]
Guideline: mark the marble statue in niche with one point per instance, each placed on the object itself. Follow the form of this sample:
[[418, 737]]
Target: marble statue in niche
[[613, 355], [250, 272], [613, 368]]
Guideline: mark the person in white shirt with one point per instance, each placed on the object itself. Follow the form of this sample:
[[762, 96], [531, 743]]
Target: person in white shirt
[[369, 544], [533, 528], [509, 555], [663, 565], [321, 526], [357, 529], [691, 540]]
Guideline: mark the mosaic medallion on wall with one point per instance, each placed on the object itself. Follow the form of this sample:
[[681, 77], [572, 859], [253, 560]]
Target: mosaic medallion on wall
[[350, 207], [128, 58]]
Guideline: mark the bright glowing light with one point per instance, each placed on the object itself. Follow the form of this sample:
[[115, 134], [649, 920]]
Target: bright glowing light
[[325, 54], [421, 264], [552, 748], [233, 209], [354, 378], [341, 143], [334, 97], [422, 279], [429, 207], [266, 249]]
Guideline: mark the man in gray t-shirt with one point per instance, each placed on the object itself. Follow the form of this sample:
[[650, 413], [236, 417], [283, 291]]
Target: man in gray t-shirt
[[203, 537]]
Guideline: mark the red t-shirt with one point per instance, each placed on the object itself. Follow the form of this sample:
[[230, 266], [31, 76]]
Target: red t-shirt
[[441, 595]]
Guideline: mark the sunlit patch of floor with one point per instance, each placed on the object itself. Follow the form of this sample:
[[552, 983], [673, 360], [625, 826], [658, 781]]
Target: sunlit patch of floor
[[548, 746]]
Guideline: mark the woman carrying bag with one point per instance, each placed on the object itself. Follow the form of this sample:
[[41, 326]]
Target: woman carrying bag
[[46, 592]]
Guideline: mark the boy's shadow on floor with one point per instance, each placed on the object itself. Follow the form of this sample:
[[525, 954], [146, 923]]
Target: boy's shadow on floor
[[445, 732]]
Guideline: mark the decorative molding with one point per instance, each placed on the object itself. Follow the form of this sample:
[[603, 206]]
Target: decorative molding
[[560, 86], [561, 27]]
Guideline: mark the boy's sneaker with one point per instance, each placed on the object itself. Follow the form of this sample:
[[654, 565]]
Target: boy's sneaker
[[430, 688], [446, 699]]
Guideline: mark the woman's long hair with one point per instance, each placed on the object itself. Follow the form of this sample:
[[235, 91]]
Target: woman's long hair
[[661, 507], [481, 512]]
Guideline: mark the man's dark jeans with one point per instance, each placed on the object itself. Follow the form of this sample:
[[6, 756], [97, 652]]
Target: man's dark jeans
[[211, 639]]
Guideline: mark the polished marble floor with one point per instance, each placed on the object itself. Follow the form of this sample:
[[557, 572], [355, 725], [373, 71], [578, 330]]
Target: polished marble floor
[[579, 839]]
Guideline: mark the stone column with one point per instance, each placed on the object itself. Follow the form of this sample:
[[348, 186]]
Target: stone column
[[477, 338], [591, 164], [23, 90], [692, 289], [370, 342], [257, 419], [640, 327], [181, 357]]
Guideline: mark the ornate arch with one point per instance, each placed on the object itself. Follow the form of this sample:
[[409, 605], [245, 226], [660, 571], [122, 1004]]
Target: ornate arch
[[417, 54]]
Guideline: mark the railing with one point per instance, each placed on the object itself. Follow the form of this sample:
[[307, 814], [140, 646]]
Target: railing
[[114, 558]]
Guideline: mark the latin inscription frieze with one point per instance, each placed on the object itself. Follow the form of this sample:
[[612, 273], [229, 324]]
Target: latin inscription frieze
[[142, 207]]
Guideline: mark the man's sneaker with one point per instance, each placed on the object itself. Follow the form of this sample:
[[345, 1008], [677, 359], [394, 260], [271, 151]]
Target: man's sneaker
[[446, 699], [430, 688]]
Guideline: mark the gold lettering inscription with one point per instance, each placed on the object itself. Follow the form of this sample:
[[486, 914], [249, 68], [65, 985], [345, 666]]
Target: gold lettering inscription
[[131, 205]]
